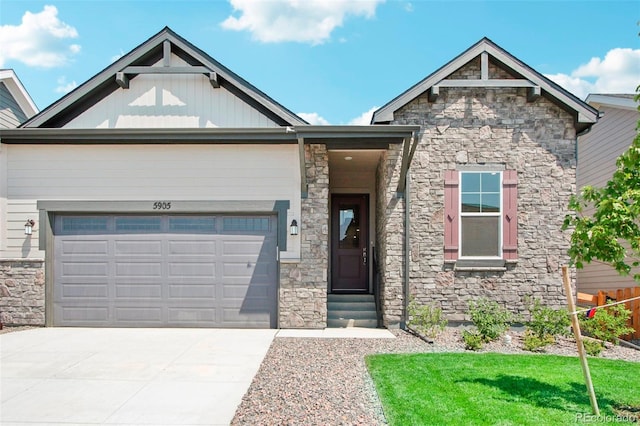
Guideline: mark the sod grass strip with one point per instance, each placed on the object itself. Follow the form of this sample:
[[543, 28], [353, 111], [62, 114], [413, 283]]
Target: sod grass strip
[[498, 389]]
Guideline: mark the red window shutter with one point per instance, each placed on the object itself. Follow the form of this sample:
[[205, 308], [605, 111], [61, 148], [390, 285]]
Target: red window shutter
[[510, 215], [451, 216]]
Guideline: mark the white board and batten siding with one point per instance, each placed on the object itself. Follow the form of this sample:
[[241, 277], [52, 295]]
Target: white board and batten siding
[[597, 154], [171, 101], [143, 172]]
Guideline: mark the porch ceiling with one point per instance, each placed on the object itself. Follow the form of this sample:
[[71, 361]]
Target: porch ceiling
[[361, 159]]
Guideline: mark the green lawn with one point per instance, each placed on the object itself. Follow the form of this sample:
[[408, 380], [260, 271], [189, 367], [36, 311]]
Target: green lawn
[[497, 389]]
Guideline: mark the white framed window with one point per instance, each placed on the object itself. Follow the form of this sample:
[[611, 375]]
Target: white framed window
[[480, 233]]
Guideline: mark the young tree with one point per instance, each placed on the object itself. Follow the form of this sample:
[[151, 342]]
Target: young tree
[[615, 222]]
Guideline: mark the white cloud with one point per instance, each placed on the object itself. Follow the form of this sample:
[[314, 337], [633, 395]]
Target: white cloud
[[618, 72], [41, 40], [313, 118], [64, 87], [364, 118], [305, 21]]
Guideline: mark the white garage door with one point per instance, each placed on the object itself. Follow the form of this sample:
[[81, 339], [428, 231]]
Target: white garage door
[[165, 271]]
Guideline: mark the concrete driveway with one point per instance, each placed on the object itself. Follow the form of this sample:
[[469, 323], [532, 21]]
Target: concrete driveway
[[127, 376]]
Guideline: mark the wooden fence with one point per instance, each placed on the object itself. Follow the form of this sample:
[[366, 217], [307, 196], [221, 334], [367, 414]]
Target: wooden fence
[[609, 296]]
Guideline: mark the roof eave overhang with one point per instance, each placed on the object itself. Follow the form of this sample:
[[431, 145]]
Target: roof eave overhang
[[351, 136], [597, 100]]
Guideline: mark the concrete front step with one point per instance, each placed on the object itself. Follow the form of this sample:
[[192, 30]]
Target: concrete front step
[[342, 323], [351, 310], [351, 314], [351, 306], [350, 298]]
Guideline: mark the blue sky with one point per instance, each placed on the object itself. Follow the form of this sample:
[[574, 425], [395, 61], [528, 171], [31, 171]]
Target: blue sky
[[332, 61]]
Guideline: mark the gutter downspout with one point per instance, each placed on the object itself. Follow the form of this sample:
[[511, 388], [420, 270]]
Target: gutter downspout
[[407, 249]]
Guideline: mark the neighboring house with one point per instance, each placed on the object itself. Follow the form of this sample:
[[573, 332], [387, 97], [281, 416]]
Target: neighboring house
[[16, 105], [168, 191], [597, 154]]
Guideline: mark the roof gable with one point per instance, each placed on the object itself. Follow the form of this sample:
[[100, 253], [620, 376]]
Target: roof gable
[[18, 93], [522, 76], [140, 61]]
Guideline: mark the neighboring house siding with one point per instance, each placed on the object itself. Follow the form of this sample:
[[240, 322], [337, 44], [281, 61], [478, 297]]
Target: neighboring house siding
[[483, 126], [597, 154], [171, 101], [11, 115], [142, 172]]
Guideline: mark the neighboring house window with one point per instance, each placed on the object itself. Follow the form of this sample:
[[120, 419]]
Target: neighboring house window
[[480, 214]]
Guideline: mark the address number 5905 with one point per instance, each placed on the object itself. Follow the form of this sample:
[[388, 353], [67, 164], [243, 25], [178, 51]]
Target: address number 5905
[[162, 205]]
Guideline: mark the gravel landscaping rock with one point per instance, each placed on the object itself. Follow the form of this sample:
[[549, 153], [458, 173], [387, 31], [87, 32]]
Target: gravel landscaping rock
[[319, 381]]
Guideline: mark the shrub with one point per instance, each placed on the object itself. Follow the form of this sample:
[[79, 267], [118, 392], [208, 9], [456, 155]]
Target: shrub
[[491, 320], [546, 323], [426, 319], [607, 324], [472, 340], [533, 342], [592, 347]]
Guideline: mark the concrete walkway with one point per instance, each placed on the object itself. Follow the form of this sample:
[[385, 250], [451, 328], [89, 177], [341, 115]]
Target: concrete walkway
[[55, 376]]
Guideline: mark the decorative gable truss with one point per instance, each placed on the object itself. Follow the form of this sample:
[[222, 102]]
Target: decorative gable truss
[[498, 69], [122, 77]]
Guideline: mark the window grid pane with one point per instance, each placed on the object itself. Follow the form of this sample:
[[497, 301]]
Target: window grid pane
[[245, 223], [138, 224], [192, 224], [480, 224]]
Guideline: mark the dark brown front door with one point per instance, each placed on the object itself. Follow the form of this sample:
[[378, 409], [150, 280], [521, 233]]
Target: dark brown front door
[[349, 243]]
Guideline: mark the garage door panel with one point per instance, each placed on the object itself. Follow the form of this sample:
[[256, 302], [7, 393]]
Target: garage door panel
[[137, 248], [192, 269], [243, 246], [85, 269], [192, 247], [192, 316], [138, 290], [86, 248], [85, 290], [156, 271], [244, 318], [138, 269], [192, 291], [86, 315], [138, 315], [253, 292]]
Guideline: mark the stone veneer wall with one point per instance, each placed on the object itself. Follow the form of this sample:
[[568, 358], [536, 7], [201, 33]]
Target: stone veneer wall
[[22, 292], [390, 237], [303, 286], [493, 126]]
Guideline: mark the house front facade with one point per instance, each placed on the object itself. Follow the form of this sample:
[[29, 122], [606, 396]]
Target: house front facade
[[169, 192]]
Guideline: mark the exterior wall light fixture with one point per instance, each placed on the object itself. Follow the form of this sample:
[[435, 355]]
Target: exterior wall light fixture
[[293, 229], [28, 227]]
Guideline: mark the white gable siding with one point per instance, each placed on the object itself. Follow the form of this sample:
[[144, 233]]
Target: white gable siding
[[597, 154], [142, 172], [170, 101], [11, 115]]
